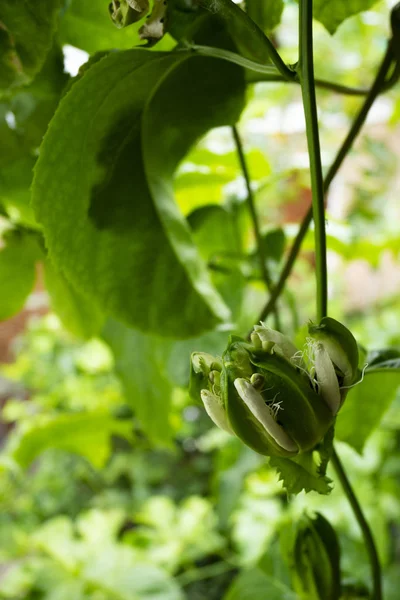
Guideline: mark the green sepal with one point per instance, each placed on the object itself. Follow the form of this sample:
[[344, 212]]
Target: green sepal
[[305, 417], [236, 363], [316, 560], [243, 423], [335, 336]]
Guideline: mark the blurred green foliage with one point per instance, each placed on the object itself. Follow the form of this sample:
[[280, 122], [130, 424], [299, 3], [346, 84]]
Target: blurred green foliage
[[195, 521]]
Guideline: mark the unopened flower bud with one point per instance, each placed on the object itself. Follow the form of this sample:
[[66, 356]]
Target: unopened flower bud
[[272, 340], [285, 416], [341, 347], [316, 560]]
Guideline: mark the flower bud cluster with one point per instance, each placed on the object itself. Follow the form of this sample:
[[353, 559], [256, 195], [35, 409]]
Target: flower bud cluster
[[278, 400]]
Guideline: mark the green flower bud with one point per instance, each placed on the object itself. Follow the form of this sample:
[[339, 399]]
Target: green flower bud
[[316, 556], [340, 345], [126, 12], [268, 395], [270, 404], [203, 367], [273, 340], [335, 351]]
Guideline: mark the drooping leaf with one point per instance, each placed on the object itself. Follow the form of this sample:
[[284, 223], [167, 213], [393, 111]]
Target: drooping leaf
[[86, 434], [267, 13], [115, 230], [254, 584], [140, 361], [301, 473], [26, 32], [367, 402], [331, 13], [77, 313], [17, 272]]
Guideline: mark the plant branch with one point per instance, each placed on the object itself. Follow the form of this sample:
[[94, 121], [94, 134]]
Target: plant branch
[[376, 88], [365, 528], [253, 213], [306, 74]]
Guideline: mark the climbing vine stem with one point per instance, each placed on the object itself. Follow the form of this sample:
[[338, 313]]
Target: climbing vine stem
[[306, 76], [380, 84], [365, 528], [254, 218]]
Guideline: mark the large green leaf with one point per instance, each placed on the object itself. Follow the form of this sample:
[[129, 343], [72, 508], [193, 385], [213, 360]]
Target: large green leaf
[[140, 361], [86, 434], [367, 403], [17, 272], [26, 32], [266, 13], [109, 157], [254, 584], [76, 312], [331, 13]]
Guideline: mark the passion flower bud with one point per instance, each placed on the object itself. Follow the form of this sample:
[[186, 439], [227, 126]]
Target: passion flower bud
[[126, 12], [271, 405], [316, 560], [341, 347], [202, 373], [270, 340], [205, 385]]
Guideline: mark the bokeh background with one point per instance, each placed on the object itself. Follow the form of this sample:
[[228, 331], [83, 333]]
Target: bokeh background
[[91, 510]]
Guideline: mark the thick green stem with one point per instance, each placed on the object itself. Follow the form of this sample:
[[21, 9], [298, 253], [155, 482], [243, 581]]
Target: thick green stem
[[306, 74], [253, 213], [365, 528], [378, 85]]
